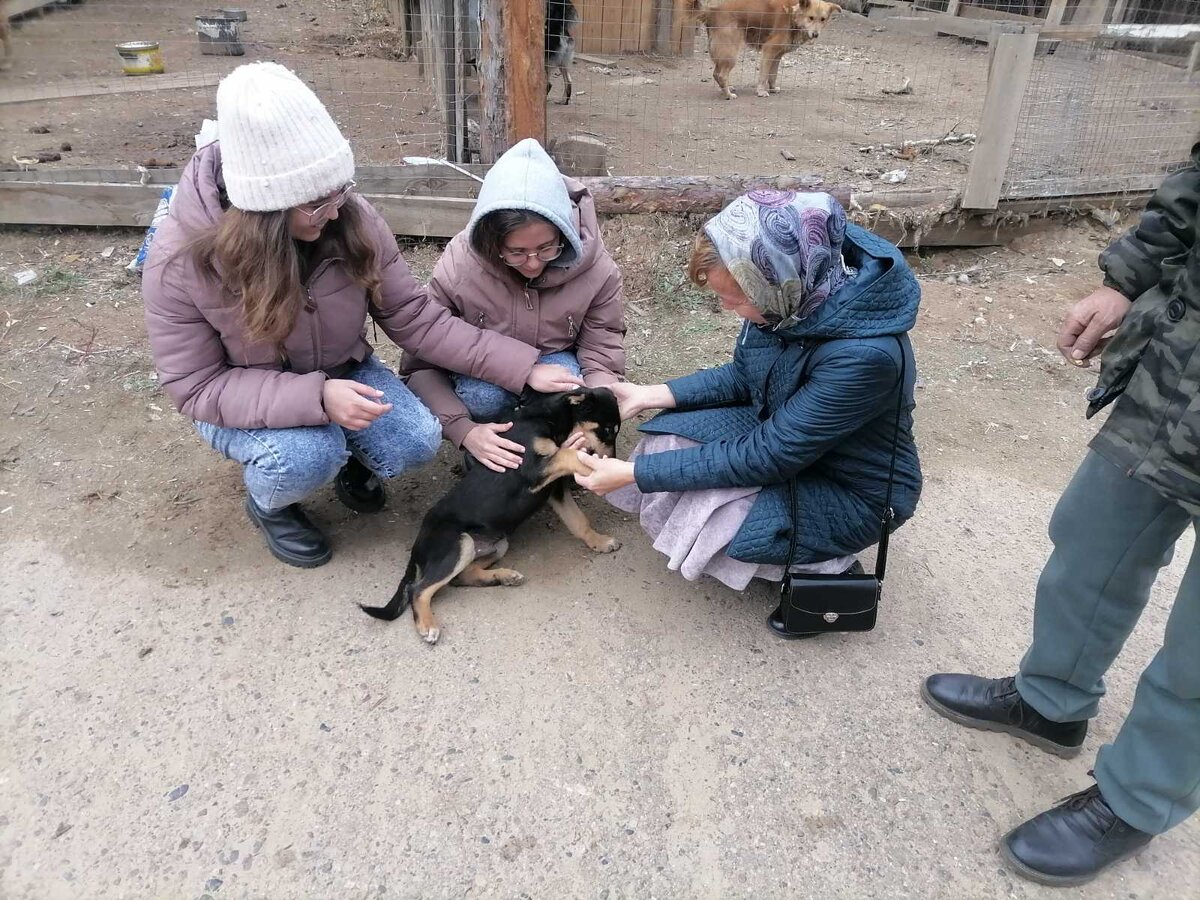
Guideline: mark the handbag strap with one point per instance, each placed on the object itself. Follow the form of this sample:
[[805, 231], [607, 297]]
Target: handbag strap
[[888, 513]]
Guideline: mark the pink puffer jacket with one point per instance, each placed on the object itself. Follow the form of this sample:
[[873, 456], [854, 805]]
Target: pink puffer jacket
[[577, 308], [214, 374]]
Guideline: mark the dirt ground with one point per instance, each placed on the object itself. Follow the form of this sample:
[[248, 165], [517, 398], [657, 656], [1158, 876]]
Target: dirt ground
[[183, 716]]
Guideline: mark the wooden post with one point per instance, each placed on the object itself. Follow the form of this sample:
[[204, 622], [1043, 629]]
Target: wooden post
[[952, 7], [1090, 12], [1054, 15], [1118, 12], [512, 72], [1007, 79]]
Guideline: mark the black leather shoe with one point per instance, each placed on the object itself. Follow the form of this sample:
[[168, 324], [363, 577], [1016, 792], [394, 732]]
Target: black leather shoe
[[291, 538], [775, 619], [993, 704], [1073, 842], [359, 488]]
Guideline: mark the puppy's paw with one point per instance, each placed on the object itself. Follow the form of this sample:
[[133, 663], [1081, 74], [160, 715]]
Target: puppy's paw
[[509, 577], [774, 90], [432, 635], [730, 95], [602, 543], [763, 92]]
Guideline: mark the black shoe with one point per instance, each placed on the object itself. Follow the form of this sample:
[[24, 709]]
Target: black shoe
[[775, 619], [1073, 842], [359, 488], [993, 704], [291, 538]]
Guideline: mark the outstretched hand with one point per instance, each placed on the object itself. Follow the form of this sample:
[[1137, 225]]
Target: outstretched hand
[[605, 474]]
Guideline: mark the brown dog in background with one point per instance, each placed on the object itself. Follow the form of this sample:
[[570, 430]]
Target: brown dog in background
[[775, 27]]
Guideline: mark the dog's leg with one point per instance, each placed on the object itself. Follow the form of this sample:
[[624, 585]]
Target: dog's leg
[[478, 573], [572, 516], [774, 74], [567, 86], [723, 48], [563, 462], [438, 571], [768, 65]]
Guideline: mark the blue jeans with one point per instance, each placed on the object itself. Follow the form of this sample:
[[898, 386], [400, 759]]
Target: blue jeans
[[282, 466], [486, 402]]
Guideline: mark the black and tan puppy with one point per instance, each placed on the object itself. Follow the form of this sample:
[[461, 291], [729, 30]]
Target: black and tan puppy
[[466, 532]]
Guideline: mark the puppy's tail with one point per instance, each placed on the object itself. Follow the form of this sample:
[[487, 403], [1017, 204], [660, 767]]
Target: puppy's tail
[[400, 599]]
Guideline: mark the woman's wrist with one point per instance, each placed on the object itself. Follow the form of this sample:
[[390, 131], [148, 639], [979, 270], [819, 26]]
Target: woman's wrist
[[658, 396]]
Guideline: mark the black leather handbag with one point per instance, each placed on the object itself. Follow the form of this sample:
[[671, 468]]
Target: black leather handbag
[[815, 604]]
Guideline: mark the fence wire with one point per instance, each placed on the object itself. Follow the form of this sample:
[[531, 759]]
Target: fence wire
[[848, 107], [1095, 119]]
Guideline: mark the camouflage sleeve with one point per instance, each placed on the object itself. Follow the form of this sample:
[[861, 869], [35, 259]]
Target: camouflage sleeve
[[1133, 264]]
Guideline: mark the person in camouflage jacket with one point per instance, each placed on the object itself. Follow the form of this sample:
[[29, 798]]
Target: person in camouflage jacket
[[1114, 528]]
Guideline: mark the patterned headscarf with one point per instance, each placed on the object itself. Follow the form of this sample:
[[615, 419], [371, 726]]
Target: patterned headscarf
[[784, 249]]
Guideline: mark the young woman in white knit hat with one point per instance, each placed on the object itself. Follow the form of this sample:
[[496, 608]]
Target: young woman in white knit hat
[[530, 264], [257, 290]]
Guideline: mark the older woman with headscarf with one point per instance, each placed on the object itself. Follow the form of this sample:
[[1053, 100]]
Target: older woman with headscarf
[[809, 402]]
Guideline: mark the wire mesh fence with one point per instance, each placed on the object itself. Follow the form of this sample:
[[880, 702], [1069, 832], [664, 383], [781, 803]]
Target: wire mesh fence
[[1095, 119], [862, 102]]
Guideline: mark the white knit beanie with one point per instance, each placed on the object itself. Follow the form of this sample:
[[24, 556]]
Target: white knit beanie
[[279, 146]]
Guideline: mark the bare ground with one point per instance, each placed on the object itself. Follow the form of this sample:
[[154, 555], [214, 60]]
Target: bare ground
[[185, 717]]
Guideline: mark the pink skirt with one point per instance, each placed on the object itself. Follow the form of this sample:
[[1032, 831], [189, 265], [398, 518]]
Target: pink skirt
[[694, 528]]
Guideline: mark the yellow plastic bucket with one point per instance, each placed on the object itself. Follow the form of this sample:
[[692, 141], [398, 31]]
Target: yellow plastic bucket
[[140, 57]]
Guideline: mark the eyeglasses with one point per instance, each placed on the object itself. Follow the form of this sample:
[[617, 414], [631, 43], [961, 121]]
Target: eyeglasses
[[546, 254], [336, 202]]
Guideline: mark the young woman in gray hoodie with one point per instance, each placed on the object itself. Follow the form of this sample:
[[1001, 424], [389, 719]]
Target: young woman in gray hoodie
[[531, 265]]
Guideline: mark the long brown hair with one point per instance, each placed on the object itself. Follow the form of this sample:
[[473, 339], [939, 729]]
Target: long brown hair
[[257, 259]]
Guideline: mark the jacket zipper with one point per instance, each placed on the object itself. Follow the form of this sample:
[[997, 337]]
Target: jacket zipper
[[571, 327], [479, 322], [311, 308]]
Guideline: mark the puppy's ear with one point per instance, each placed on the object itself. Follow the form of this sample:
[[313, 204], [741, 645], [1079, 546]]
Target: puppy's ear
[[576, 397]]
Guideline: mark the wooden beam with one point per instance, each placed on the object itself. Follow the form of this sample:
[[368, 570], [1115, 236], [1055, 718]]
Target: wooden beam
[[1054, 15], [512, 73], [908, 217], [1153, 33], [1007, 78], [1090, 12], [87, 87]]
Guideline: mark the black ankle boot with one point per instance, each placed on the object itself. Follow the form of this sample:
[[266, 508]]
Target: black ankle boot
[[291, 538], [994, 704], [775, 619], [359, 488], [1073, 842]]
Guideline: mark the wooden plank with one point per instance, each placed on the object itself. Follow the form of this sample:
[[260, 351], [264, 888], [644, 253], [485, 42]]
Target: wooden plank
[[1090, 12], [24, 203], [132, 205], [512, 75], [1054, 15], [1153, 33], [683, 28], [117, 84], [1007, 78]]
